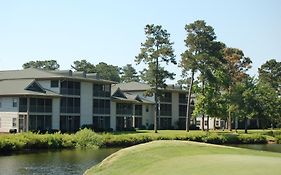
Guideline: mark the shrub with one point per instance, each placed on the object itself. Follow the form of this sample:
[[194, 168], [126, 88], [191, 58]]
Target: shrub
[[251, 138], [86, 138]]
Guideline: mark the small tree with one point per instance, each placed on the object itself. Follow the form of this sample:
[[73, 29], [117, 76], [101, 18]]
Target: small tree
[[46, 65], [156, 48], [129, 74]]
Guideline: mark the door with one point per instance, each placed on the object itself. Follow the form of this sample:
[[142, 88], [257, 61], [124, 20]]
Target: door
[[22, 123]]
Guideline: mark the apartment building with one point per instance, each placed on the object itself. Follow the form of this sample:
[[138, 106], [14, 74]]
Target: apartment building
[[33, 99]]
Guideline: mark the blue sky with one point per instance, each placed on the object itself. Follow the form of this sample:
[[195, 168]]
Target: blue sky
[[111, 31]]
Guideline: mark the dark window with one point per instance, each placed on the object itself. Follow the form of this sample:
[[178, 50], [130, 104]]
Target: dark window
[[124, 108], [23, 105], [14, 122], [70, 88], [69, 123], [166, 109], [166, 97], [101, 90], [182, 98], [40, 105], [138, 109], [124, 122], [182, 110], [15, 103], [138, 122], [40, 122], [54, 83], [70, 105], [101, 122], [101, 106], [165, 123], [181, 124]]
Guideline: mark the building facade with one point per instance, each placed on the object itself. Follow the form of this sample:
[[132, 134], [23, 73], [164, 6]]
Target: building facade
[[33, 99]]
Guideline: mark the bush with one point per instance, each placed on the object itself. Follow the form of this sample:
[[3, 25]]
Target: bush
[[251, 139], [86, 138]]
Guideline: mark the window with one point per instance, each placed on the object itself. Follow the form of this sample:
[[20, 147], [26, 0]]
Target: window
[[15, 103], [40, 122], [23, 105], [70, 105], [138, 122], [0, 103], [70, 88], [69, 123], [40, 105], [101, 90], [166, 97], [101, 122], [165, 123], [138, 109], [206, 123], [182, 98], [166, 109], [217, 122], [124, 122], [14, 124], [54, 83], [101, 106], [124, 108], [182, 110], [146, 108]]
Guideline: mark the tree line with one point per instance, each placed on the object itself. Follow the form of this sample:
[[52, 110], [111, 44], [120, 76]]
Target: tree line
[[215, 73]]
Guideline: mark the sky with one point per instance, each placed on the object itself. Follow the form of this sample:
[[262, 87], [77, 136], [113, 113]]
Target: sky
[[112, 31]]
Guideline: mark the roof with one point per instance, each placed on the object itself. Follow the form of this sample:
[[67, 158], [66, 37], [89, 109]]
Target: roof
[[138, 86], [32, 73], [20, 87], [133, 86], [119, 95]]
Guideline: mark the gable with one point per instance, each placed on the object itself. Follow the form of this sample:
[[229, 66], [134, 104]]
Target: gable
[[34, 86]]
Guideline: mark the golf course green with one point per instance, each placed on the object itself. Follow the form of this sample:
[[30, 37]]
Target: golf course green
[[184, 157]]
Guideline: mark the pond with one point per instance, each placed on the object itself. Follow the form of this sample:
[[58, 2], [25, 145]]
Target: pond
[[262, 147], [70, 162], [64, 162]]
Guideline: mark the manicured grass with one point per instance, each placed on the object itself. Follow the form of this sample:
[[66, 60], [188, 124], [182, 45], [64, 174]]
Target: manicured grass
[[184, 157]]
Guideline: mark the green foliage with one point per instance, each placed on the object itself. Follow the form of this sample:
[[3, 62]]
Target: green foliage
[[46, 65], [108, 72], [129, 74], [86, 138], [270, 72], [83, 65]]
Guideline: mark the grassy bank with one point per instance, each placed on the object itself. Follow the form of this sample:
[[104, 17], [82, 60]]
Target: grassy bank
[[175, 157], [88, 139]]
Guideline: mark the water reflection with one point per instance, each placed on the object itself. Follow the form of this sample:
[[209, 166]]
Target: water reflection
[[64, 162], [262, 147]]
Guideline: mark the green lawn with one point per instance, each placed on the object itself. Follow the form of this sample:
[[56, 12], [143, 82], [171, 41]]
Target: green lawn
[[183, 157]]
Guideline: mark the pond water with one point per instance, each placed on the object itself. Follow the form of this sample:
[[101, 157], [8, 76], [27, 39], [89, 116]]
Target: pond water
[[74, 162], [64, 162], [262, 147]]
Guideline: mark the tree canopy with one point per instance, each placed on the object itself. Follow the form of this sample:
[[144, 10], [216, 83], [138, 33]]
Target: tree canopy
[[129, 73], [46, 65]]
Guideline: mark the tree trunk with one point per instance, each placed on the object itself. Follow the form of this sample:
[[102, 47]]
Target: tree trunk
[[203, 115], [246, 125], [208, 127], [156, 95], [229, 113], [187, 121]]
